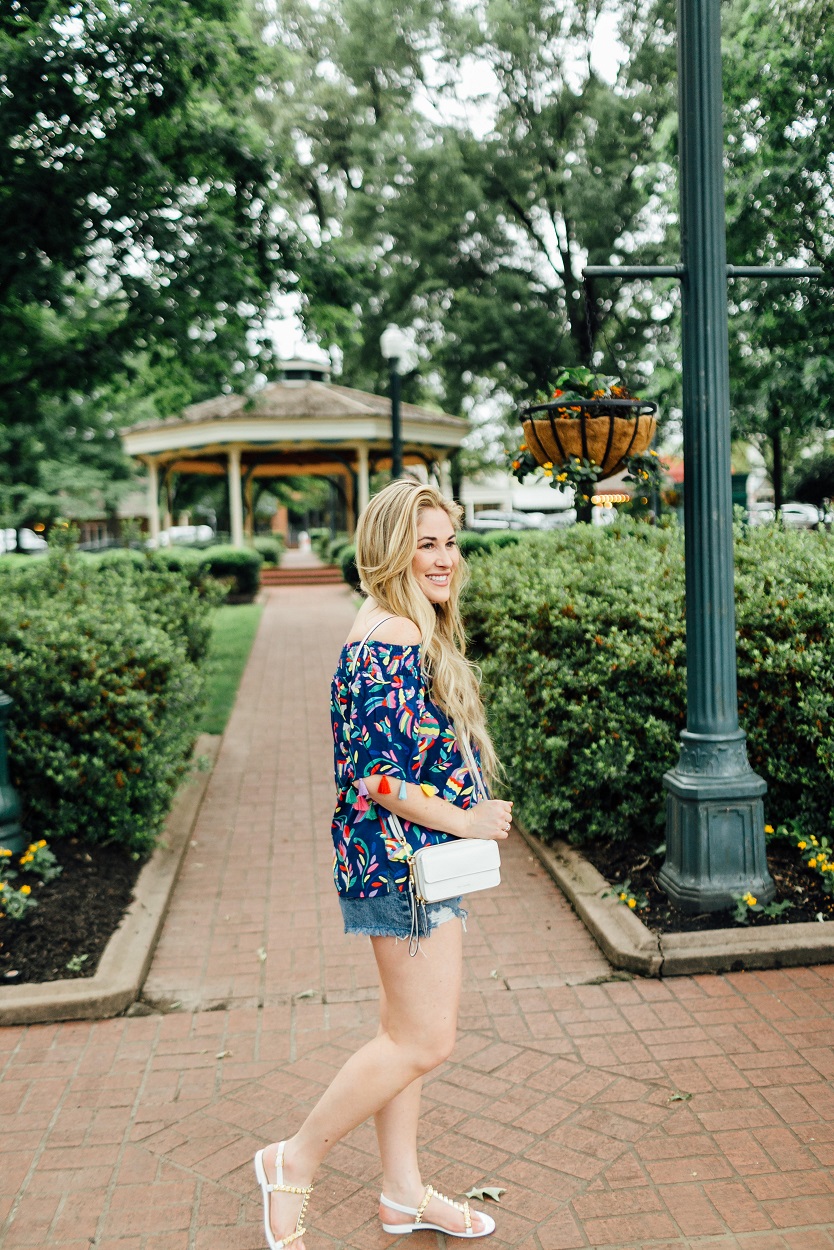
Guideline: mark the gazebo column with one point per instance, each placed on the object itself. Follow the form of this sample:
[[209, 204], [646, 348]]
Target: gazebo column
[[167, 485], [235, 497], [249, 503], [153, 500], [363, 476]]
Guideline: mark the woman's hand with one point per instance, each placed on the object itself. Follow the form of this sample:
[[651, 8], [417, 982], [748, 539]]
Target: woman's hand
[[489, 819]]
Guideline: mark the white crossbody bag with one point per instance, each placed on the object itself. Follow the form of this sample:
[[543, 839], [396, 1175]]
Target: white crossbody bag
[[447, 869]]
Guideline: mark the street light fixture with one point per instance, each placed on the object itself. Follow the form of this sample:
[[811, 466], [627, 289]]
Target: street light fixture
[[395, 346]]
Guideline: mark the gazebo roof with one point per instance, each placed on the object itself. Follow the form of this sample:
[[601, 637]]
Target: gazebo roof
[[293, 415]]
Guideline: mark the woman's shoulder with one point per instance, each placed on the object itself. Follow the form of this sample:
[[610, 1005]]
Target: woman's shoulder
[[393, 630]]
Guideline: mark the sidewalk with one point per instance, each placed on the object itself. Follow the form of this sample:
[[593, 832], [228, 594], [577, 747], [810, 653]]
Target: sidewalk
[[622, 1114]]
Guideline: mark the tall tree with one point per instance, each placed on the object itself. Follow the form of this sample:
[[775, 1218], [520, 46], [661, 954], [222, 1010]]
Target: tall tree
[[474, 215], [780, 136], [136, 217]]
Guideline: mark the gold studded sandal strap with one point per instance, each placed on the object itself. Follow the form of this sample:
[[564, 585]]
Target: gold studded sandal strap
[[427, 1197]]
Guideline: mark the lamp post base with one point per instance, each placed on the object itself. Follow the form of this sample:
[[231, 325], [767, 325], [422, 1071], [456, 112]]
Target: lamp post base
[[715, 842]]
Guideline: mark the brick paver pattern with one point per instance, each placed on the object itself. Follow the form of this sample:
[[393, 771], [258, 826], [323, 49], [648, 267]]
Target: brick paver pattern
[[691, 1112]]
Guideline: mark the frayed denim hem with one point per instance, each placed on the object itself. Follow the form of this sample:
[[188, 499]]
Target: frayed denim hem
[[389, 915]]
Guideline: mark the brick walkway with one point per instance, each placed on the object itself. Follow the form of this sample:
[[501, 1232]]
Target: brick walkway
[[693, 1112]]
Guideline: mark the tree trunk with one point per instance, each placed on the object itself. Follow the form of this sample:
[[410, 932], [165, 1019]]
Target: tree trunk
[[778, 472], [456, 476]]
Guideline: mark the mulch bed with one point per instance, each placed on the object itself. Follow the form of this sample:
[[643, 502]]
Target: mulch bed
[[75, 916], [619, 861]]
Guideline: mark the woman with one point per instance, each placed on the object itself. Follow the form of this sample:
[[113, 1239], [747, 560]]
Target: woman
[[403, 696]]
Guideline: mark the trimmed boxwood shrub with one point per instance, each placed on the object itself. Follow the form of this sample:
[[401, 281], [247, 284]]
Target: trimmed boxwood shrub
[[347, 563], [320, 541], [103, 662], [239, 566], [333, 550], [270, 547], [580, 636]]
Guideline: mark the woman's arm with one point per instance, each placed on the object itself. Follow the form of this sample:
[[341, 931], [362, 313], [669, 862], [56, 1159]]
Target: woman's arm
[[488, 819]]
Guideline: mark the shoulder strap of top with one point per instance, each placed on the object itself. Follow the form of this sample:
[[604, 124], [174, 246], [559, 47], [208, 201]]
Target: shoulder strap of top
[[355, 660]]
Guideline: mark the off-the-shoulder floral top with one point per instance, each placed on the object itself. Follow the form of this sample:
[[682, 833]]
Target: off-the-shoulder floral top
[[384, 722]]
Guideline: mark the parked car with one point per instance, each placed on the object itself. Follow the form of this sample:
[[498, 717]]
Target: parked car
[[803, 516], [21, 540], [495, 520], [179, 535]]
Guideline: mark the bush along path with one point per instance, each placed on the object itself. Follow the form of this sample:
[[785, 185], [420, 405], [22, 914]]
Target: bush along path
[[113, 664], [581, 638], [609, 1113]]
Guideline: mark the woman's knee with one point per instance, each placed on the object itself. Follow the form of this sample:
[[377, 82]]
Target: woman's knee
[[431, 1049]]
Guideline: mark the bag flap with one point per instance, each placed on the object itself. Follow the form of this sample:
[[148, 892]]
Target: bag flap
[[462, 856]]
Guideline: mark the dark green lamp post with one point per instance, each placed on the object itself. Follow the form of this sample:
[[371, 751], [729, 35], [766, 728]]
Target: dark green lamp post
[[715, 818], [395, 347], [11, 837]]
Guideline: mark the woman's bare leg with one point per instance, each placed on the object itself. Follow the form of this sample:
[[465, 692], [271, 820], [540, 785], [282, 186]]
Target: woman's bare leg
[[422, 996], [396, 1131]]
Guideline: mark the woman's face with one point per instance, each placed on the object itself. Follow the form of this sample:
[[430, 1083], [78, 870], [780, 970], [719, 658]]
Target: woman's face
[[437, 555]]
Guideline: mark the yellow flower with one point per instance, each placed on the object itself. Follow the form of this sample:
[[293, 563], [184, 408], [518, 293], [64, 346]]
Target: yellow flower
[[652, 453], [38, 845], [548, 464], [801, 845], [632, 902], [4, 852], [623, 897], [812, 863], [750, 899], [814, 842], [768, 828], [26, 889], [562, 477], [2, 885]]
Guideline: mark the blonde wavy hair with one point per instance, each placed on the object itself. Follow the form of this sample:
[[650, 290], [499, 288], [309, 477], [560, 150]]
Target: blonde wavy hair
[[386, 543]]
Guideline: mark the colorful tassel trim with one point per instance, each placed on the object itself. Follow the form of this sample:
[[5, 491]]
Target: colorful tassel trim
[[351, 796], [384, 786], [427, 789], [361, 804], [403, 794], [363, 789]]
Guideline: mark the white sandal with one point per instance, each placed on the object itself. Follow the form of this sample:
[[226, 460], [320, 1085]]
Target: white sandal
[[430, 1193], [280, 1187]]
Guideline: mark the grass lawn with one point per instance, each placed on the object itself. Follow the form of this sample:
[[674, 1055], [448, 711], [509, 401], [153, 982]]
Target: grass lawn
[[232, 635]]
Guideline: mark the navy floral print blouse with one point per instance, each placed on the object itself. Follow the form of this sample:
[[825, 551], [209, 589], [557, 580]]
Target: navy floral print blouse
[[384, 722]]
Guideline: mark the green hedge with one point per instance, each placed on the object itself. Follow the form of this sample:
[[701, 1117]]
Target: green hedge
[[333, 550], [580, 635], [269, 547], [237, 568], [347, 563], [320, 541], [103, 662]]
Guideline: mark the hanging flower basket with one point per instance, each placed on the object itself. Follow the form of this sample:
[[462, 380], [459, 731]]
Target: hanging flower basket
[[604, 432]]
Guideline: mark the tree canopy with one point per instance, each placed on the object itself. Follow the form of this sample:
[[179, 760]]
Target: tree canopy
[[137, 233]]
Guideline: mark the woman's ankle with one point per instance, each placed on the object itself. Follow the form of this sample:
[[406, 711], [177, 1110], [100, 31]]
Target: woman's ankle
[[408, 1192], [298, 1168]]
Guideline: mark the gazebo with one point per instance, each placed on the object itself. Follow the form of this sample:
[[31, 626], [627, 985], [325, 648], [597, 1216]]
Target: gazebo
[[301, 424]]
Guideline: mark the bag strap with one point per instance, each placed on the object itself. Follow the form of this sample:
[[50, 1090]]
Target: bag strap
[[472, 764], [359, 649]]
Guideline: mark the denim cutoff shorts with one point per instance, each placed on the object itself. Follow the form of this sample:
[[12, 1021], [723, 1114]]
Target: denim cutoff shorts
[[389, 915]]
